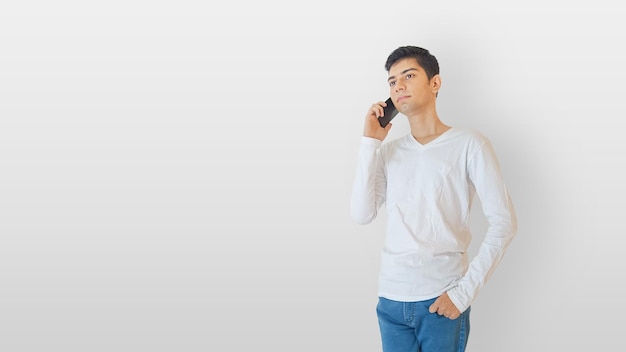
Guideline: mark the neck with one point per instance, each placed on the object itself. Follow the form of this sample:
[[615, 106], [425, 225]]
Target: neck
[[426, 126]]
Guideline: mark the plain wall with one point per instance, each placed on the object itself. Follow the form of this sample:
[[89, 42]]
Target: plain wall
[[177, 176]]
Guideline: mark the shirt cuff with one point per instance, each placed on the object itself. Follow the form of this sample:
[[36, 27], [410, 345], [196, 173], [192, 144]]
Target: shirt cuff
[[458, 303]]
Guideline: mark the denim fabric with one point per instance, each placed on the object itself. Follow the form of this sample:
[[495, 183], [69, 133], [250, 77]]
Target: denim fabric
[[410, 327]]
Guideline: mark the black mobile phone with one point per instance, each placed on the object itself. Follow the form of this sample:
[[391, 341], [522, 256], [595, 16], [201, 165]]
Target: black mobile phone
[[390, 112]]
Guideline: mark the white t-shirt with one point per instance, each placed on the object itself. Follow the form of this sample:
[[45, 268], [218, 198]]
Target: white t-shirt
[[428, 190]]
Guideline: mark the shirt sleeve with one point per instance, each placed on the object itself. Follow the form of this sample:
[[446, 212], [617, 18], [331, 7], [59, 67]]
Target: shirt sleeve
[[368, 192], [485, 174]]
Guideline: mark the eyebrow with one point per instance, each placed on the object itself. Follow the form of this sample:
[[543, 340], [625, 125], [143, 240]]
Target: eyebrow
[[401, 73]]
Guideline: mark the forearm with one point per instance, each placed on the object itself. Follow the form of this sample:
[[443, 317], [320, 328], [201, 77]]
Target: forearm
[[368, 188], [500, 214], [483, 265]]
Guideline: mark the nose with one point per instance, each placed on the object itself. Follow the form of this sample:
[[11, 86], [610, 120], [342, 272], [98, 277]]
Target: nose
[[399, 87]]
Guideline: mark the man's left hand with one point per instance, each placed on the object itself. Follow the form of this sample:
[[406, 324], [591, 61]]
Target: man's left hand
[[444, 306]]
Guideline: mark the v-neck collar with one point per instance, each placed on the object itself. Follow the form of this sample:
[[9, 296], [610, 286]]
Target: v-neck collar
[[442, 137]]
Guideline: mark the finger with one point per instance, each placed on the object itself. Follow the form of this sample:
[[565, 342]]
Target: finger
[[374, 111], [434, 307], [380, 111], [379, 108]]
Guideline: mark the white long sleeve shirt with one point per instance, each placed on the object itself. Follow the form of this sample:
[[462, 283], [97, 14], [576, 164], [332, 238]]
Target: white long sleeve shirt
[[428, 191]]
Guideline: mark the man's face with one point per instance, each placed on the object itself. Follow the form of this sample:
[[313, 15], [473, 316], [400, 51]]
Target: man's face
[[409, 86]]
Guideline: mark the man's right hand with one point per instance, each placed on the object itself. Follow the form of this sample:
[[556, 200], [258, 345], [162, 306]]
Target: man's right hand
[[372, 127]]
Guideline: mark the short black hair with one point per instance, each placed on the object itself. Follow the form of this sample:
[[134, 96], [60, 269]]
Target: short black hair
[[424, 58]]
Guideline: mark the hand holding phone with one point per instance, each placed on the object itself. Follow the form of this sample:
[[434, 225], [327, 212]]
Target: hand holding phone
[[389, 112]]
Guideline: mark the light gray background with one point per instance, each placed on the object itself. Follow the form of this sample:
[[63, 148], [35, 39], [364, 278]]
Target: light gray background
[[176, 175]]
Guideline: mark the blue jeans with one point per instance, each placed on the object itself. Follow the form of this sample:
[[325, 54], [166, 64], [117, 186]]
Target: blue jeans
[[410, 327]]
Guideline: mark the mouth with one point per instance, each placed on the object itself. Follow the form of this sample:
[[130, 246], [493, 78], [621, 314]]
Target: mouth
[[402, 98]]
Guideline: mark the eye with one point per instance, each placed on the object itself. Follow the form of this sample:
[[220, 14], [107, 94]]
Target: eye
[[392, 83], [409, 76]]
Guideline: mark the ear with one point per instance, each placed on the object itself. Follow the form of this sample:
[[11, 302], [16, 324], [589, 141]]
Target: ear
[[435, 83]]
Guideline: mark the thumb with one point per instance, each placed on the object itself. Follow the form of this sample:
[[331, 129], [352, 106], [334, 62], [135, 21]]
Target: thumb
[[433, 307]]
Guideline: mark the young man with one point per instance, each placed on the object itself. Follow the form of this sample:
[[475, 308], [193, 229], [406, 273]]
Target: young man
[[427, 181]]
